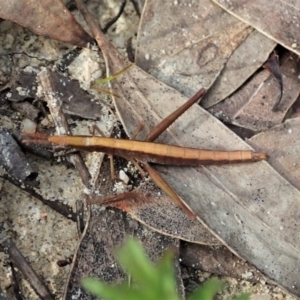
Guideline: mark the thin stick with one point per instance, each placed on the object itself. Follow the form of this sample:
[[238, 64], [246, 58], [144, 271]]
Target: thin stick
[[21, 263], [101, 41], [115, 19], [55, 107], [63, 209], [94, 26]]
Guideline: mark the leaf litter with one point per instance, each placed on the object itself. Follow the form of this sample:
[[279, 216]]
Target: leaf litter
[[278, 20], [236, 202], [42, 235], [282, 142], [42, 18], [252, 106], [192, 49], [213, 142]]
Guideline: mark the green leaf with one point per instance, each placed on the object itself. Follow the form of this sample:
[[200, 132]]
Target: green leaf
[[245, 296], [150, 282], [207, 290], [111, 292], [166, 274], [135, 262]]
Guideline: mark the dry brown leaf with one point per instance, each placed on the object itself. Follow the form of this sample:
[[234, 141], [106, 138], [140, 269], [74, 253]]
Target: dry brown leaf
[[251, 106], [188, 50], [142, 204], [278, 20], [283, 144], [243, 204], [47, 18], [245, 60]]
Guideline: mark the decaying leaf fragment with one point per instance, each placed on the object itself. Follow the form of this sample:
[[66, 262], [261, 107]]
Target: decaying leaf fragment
[[152, 207], [251, 106], [13, 160], [47, 18], [278, 20], [76, 101]]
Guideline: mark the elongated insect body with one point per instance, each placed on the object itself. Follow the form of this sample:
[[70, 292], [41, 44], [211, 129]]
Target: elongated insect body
[[150, 151], [156, 152]]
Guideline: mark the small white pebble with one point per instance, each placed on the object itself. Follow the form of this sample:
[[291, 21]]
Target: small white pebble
[[123, 176], [147, 56], [28, 126], [247, 275]]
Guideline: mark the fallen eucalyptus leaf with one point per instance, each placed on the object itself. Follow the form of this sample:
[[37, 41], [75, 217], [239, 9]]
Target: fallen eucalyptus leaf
[[163, 40], [46, 17], [189, 50], [245, 60], [278, 20]]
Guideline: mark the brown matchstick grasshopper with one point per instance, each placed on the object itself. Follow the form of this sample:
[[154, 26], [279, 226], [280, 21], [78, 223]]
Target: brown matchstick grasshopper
[[150, 152]]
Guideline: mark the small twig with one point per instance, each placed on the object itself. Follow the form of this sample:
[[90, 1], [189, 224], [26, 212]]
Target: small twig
[[129, 50], [56, 205], [62, 128], [114, 19], [112, 198], [93, 25], [79, 214], [136, 7], [21, 263]]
